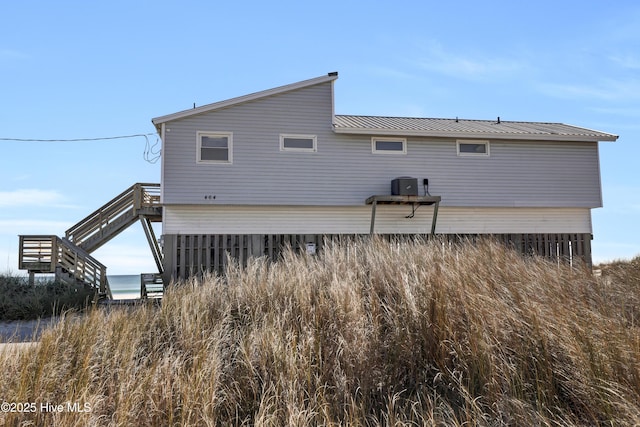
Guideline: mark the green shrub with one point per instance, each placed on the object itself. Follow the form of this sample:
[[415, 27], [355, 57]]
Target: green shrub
[[21, 301]]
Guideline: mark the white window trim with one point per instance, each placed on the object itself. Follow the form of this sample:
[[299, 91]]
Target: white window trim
[[299, 136], [228, 135], [472, 141], [376, 139]]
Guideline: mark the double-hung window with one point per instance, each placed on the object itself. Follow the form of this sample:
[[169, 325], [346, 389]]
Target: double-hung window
[[215, 147]]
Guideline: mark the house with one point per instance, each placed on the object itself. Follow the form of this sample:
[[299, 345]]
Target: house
[[247, 175]]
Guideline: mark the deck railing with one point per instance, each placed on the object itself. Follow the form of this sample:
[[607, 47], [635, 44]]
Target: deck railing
[[37, 253], [51, 254]]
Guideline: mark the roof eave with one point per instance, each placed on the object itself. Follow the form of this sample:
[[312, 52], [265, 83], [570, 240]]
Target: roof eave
[[476, 135], [245, 98]]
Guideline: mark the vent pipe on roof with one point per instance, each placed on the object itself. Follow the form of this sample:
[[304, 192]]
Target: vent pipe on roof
[[498, 119]]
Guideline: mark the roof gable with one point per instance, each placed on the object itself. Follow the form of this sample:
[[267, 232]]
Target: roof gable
[[245, 98]]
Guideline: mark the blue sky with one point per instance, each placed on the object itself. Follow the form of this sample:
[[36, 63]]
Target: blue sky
[[99, 69]]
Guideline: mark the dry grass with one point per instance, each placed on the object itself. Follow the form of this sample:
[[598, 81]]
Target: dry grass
[[367, 334]]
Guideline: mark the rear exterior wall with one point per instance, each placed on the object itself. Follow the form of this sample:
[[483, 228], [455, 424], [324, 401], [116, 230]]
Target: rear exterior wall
[[344, 171]]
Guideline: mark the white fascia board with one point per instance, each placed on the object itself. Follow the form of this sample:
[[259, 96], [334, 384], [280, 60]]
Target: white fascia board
[[245, 98], [478, 135]]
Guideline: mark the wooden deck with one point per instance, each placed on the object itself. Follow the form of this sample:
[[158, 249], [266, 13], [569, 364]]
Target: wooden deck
[[70, 263]]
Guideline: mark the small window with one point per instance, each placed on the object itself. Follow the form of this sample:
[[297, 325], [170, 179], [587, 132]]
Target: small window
[[473, 148], [389, 145], [298, 143], [215, 147]]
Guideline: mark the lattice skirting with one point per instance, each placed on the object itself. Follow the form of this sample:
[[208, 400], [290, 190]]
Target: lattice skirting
[[192, 254]]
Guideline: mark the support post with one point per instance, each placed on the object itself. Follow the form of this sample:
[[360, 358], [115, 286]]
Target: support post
[[153, 242], [373, 215], [170, 258], [435, 218]]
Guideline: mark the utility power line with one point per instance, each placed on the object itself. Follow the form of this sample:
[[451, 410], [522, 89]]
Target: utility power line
[[78, 139], [150, 154]]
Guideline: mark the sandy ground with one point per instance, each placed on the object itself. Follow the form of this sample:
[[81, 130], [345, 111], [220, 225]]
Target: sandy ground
[[19, 335], [23, 330]]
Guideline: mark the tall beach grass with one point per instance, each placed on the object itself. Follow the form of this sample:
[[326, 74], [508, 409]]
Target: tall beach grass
[[365, 334]]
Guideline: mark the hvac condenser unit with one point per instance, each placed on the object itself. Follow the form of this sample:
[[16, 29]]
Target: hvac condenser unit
[[404, 186]]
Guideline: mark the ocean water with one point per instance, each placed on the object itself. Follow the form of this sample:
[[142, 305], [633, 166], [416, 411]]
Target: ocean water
[[124, 286]]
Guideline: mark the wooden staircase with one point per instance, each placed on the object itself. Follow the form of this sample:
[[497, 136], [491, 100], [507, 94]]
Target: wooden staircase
[[70, 257], [71, 264], [151, 285]]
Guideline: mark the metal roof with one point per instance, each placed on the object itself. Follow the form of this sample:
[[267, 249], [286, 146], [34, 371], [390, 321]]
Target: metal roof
[[462, 128]]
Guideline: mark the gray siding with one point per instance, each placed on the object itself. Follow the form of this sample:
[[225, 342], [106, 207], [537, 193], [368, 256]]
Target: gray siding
[[344, 171]]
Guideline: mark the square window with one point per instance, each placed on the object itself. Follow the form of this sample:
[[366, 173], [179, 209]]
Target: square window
[[214, 147], [389, 145], [473, 148], [298, 143]]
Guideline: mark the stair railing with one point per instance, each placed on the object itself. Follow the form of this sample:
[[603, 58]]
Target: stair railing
[[151, 285], [47, 254], [83, 266], [134, 198], [146, 196]]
